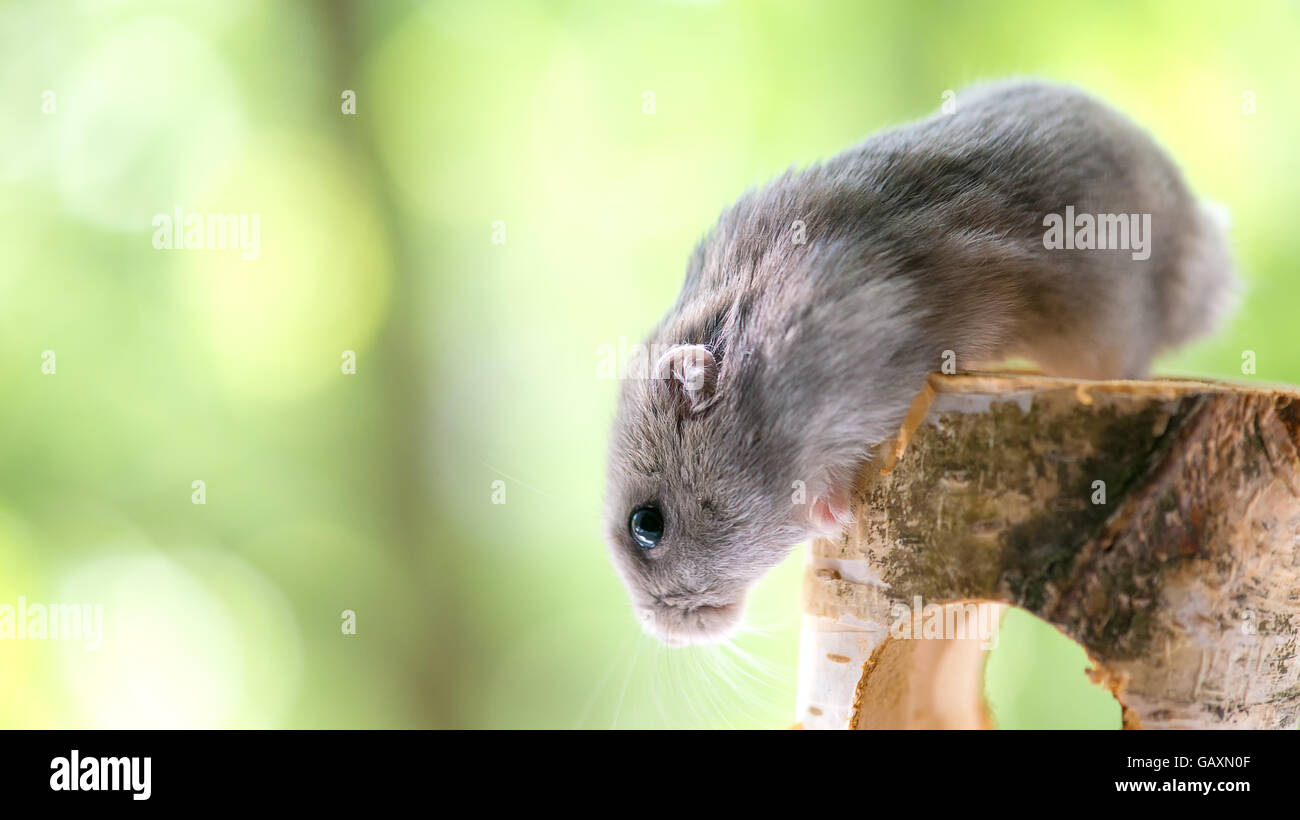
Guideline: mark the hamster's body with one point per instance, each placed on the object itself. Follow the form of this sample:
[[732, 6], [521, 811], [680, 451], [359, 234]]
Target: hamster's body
[[814, 309]]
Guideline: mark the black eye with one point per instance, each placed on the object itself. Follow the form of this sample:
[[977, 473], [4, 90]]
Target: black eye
[[646, 526]]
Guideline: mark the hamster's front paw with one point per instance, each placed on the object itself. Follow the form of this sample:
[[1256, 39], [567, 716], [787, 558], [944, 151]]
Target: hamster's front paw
[[831, 512]]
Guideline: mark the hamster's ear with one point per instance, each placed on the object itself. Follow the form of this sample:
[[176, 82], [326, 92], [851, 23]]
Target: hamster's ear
[[689, 374]]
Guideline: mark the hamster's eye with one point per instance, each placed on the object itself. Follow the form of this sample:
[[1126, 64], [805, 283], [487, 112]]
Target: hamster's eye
[[646, 526]]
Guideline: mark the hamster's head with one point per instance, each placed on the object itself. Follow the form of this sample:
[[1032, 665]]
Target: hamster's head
[[693, 516]]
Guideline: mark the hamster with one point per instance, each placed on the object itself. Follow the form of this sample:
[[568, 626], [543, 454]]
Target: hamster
[[813, 311]]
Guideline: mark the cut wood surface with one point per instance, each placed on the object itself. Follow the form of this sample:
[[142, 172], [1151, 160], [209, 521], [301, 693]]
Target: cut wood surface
[[1156, 523]]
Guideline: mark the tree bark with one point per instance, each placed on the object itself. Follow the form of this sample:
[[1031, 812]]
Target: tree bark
[[1155, 523]]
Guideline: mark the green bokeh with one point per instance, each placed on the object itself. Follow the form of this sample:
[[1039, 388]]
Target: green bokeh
[[476, 361]]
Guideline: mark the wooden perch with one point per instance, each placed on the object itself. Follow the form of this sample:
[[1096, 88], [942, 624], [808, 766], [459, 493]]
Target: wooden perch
[[1155, 523]]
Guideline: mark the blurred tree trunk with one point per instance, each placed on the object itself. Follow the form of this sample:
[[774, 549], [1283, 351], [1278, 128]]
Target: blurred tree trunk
[[400, 350], [1155, 523]]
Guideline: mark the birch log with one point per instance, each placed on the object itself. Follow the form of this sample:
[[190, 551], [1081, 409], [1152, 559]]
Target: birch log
[[1155, 523]]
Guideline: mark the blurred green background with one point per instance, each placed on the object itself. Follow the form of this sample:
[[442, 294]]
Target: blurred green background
[[476, 360]]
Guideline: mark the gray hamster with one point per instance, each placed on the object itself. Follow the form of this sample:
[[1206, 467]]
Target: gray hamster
[[1032, 221]]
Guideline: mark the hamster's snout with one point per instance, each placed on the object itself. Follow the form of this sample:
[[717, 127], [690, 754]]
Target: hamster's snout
[[678, 626]]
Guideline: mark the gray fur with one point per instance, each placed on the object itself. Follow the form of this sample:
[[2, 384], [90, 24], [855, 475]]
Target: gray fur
[[924, 238]]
